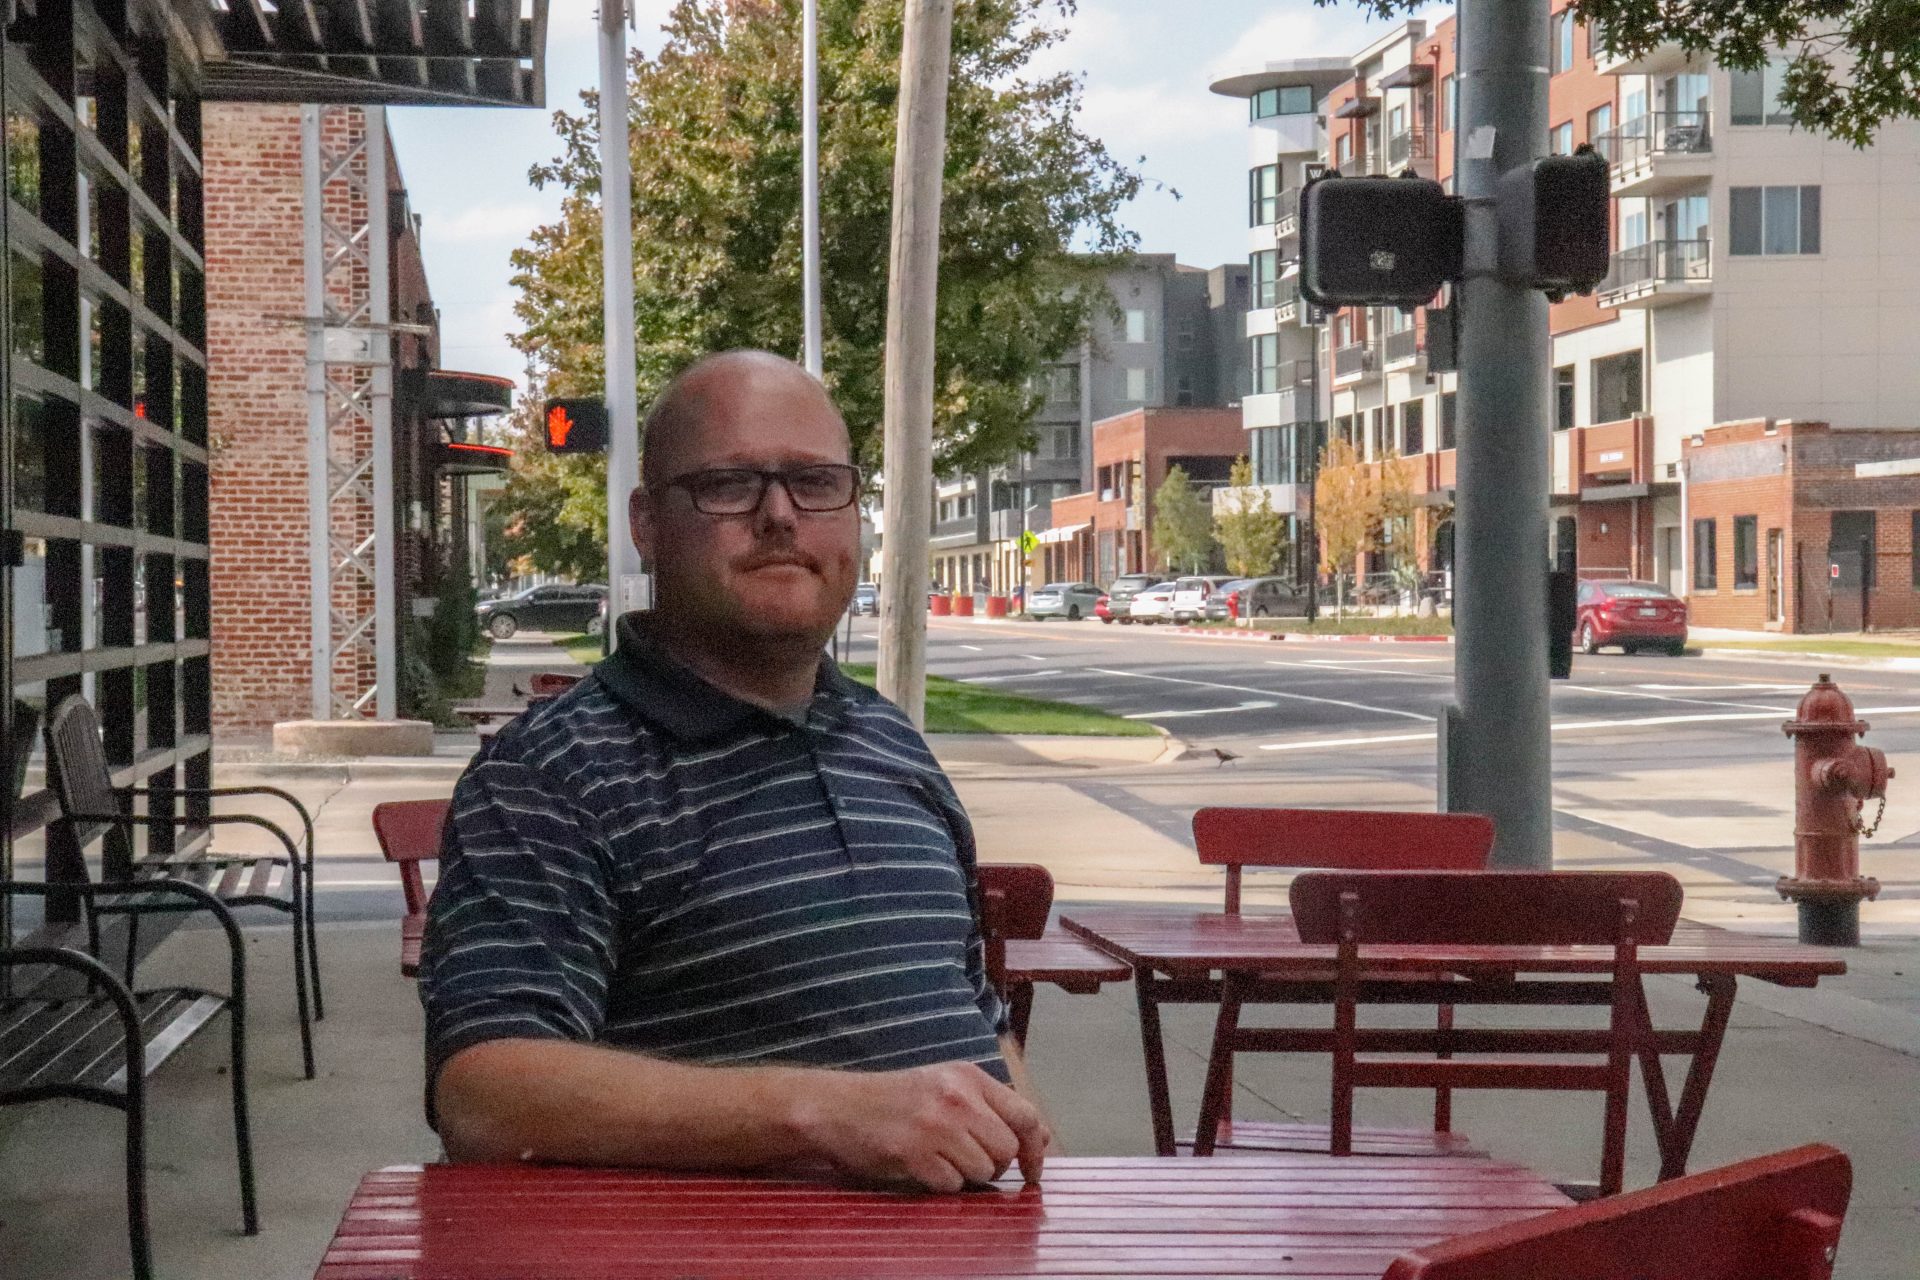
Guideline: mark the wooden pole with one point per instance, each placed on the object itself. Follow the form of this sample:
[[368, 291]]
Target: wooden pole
[[913, 277]]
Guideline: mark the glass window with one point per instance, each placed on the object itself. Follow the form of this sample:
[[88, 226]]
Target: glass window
[[1773, 220], [1705, 573], [1449, 104], [1599, 122], [23, 157], [1563, 398], [1264, 269], [1343, 149], [1137, 386], [1396, 121], [1560, 139], [1617, 387], [1756, 95], [1266, 363], [1413, 426], [1063, 384], [26, 306], [1136, 325], [1291, 100], [1562, 41], [1746, 551], [1263, 195]]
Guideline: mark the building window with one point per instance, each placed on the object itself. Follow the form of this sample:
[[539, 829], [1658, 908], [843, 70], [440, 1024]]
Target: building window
[[1342, 150], [1562, 41], [1266, 363], [1756, 95], [1136, 325], [1706, 575], [1449, 420], [1062, 384], [1560, 139], [1292, 100], [1264, 270], [1773, 220], [1136, 386], [1449, 103], [1413, 426], [1563, 398], [1617, 390], [1599, 122], [1263, 195], [1183, 389], [1746, 551]]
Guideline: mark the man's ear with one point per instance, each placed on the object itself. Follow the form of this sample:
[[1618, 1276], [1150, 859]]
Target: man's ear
[[640, 522]]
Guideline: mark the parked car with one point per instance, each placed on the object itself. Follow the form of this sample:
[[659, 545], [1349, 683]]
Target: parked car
[[1270, 598], [866, 598], [1190, 597], [1633, 615], [554, 607], [1220, 600], [1103, 608], [1122, 590], [1070, 600], [1151, 604]]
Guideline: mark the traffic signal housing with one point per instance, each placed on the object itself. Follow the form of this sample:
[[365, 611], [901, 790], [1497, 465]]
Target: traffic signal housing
[[1377, 241], [1563, 613], [1554, 230], [575, 424]]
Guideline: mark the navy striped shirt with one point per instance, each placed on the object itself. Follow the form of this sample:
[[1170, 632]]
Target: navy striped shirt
[[650, 863]]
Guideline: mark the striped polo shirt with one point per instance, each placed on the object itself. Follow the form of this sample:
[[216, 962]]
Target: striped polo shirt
[[647, 862]]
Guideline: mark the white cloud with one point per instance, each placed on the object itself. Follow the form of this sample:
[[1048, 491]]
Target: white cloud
[[484, 223], [1131, 118], [1285, 33]]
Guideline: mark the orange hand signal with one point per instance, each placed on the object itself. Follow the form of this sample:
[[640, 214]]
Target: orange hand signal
[[559, 426]]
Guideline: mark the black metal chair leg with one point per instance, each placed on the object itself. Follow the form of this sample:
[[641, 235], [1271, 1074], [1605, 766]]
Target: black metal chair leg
[[300, 958], [133, 945], [242, 1130], [313, 942], [139, 1243]]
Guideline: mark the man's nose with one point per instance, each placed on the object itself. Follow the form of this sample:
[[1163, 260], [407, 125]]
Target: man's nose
[[776, 508]]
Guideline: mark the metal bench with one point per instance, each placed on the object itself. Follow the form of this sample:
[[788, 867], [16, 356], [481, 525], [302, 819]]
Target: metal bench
[[409, 833], [1015, 901]]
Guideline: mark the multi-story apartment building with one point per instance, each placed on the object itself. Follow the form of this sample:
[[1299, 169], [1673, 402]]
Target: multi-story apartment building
[[1171, 338], [1761, 273]]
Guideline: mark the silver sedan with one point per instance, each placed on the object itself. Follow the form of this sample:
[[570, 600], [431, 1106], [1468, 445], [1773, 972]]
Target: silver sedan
[[1070, 600]]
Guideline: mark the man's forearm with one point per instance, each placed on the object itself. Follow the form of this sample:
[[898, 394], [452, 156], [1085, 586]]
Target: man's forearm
[[561, 1102]]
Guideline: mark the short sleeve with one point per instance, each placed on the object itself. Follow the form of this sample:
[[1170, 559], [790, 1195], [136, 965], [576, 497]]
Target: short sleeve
[[519, 935]]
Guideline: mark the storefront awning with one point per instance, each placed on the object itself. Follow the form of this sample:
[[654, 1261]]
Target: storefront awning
[[458, 459], [1064, 533], [1414, 73], [447, 52], [448, 393], [1354, 108]]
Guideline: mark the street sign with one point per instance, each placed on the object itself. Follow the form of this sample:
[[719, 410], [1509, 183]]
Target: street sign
[[1028, 541], [575, 425]]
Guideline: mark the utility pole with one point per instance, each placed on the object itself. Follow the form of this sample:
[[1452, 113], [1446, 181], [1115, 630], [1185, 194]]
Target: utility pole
[[912, 287], [626, 587], [1495, 749], [810, 183], [1311, 535]]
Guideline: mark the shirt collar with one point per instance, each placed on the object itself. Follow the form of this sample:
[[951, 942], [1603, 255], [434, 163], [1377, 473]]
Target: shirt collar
[[665, 692]]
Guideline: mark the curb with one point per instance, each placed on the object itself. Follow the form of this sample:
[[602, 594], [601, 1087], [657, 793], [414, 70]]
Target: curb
[[1217, 634], [1800, 658]]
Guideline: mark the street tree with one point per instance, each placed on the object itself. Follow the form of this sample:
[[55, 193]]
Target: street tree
[[1346, 513], [553, 509], [1850, 65], [1251, 533], [1182, 523], [1395, 537], [714, 126]]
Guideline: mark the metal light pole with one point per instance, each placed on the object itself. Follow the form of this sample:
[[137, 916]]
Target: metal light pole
[[1312, 533], [810, 182], [1495, 748], [625, 584]]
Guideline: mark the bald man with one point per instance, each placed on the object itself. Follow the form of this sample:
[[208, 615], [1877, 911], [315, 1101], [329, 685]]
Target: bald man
[[715, 907]]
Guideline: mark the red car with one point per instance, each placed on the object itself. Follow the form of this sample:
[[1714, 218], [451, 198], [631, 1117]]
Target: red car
[[1100, 609], [1633, 615]]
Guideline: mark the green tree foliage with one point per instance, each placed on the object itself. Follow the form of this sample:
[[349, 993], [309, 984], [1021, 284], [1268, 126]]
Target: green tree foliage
[[1182, 523], [1852, 65], [553, 511], [1250, 531], [714, 129]]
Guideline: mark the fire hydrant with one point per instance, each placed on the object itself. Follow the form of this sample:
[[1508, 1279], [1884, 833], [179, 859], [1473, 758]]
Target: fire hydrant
[[1833, 776]]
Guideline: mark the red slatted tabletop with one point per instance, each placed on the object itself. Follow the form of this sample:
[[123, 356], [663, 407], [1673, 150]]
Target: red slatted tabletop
[[1270, 1215], [1188, 946]]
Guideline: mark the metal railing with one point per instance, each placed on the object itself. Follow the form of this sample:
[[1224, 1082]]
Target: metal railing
[[1658, 133], [1403, 345], [1288, 212], [1286, 375], [1353, 359], [1659, 262], [1409, 144]]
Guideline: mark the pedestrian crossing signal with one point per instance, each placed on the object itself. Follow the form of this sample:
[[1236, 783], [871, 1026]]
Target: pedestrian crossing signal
[[575, 425]]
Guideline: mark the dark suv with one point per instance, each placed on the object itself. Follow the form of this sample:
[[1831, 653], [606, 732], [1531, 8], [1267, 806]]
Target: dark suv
[[1120, 595], [555, 607]]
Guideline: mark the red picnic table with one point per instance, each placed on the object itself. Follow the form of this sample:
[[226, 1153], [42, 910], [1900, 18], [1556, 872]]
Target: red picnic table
[[1267, 1215], [1183, 956]]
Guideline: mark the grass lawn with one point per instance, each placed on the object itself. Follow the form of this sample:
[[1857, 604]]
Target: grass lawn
[[953, 706], [583, 649], [1819, 645]]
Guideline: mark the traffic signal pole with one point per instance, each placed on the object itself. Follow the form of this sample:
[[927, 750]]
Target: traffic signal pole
[[1495, 750]]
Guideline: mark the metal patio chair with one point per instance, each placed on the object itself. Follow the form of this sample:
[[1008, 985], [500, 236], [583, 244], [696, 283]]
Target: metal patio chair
[[95, 809]]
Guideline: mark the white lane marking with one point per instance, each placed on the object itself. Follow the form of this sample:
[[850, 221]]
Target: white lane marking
[[1330, 665], [1033, 657], [1571, 726], [1024, 675], [1255, 705], [973, 648], [1724, 688], [1364, 662], [1661, 697], [1268, 693]]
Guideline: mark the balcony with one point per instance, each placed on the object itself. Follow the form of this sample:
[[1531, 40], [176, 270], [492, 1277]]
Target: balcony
[[1662, 59], [1003, 526], [1286, 300], [1286, 221], [1354, 361], [1659, 153], [1409, 147], [1659, 274], [1401, 348]]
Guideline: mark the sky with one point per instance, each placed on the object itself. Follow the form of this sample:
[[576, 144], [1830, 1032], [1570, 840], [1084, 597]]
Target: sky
[[1146, 66]]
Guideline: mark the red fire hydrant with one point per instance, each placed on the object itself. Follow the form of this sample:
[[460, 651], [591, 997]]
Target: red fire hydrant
[[1833, 778]]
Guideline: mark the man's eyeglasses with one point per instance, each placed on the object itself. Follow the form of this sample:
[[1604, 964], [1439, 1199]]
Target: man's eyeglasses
[[739, 491]]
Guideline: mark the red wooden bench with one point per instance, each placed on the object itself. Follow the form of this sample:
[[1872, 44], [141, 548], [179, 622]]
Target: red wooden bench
[[1354, 839], [1774, 1218], [1456, 913], [409, 834], [1015, 901]]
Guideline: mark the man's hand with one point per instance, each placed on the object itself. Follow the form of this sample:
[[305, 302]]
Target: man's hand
[[941, 1126]]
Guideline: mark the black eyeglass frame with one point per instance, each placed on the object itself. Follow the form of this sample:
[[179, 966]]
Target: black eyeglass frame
[[783, 476]]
